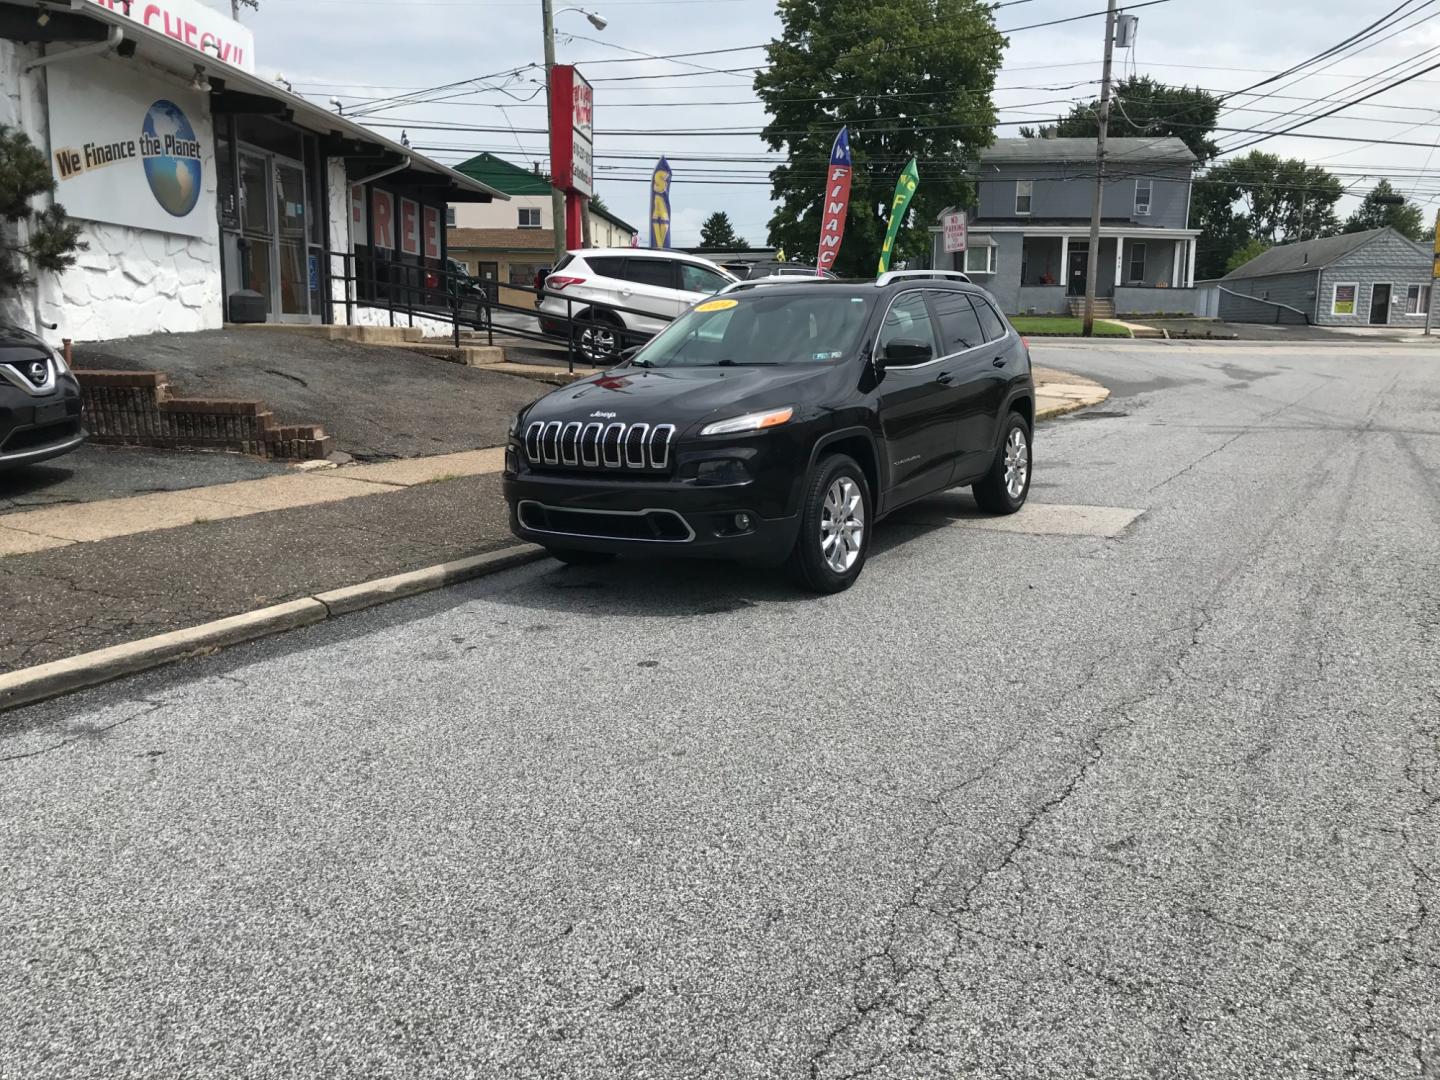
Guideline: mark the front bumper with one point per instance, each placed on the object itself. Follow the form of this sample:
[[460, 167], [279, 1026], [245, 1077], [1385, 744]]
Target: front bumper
[[654, 518], [34, 429]]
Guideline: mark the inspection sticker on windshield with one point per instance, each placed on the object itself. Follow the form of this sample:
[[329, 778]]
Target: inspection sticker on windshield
[[717, 305], [828, 355]]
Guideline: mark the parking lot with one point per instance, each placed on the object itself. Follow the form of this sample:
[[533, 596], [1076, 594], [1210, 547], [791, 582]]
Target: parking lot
[[1144, 781]]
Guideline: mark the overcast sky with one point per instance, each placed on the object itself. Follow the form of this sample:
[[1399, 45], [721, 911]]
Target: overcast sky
[[359, 50]]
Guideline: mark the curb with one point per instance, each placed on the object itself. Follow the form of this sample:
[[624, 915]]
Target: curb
[[29, 685]]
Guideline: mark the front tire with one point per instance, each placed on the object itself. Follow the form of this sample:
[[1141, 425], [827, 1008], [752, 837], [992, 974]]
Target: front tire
[[576, 557], [835, 518], [1004, 488]]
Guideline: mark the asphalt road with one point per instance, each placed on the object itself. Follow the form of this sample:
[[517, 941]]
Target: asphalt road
[[1164, 803]]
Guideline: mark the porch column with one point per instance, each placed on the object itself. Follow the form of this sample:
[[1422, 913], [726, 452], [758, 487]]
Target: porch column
[[1190, 266], [1176, 252], [1119, 251], [1064, 262]]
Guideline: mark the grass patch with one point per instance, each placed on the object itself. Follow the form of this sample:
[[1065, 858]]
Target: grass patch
[[440, 479], [1064, 326]]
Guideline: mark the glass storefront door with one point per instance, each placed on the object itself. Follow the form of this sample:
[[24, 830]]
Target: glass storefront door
[[273, 243]]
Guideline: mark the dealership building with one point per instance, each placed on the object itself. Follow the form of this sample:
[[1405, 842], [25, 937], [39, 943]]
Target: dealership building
[[206, 194]]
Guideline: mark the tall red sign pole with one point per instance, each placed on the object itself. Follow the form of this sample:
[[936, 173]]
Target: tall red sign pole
[[572, 132]]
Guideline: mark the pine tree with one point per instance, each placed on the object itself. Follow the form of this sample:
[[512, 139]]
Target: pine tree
[[52, 238], [1380, 208], [719, 235]]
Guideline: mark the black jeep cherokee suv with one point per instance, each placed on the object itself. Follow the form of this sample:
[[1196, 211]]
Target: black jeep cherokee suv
[[39, 401], [780, 421]]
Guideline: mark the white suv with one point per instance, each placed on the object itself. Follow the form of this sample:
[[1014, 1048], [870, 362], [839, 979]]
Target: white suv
[[654, 285]]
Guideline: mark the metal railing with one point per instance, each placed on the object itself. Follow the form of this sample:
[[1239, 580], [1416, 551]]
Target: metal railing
[[593, 331]]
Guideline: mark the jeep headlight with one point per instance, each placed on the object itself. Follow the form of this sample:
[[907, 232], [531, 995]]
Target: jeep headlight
[[756, 421]]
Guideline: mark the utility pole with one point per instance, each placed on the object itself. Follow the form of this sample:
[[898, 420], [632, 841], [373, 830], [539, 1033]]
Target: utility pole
[[1093, 256], [557, 197]]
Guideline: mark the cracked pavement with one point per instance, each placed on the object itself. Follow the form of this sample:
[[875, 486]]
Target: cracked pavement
[[1165, 804]]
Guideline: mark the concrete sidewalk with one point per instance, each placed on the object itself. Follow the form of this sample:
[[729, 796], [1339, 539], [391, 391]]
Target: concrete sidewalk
[[80, 577]]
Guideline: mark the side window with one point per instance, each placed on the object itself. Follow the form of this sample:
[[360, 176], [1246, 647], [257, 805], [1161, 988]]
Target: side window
[[1024, 189], [658, 272], [907, 336], [697, 279], [605, 267], [990, 322], [959, 325]]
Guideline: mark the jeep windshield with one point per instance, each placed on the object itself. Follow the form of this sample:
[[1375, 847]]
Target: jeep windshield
[[761, 327]]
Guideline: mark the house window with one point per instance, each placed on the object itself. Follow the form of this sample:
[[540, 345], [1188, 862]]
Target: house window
[[1137, 262], [1417, 299], [529, 217], [980, 260], [1023, 190], [1343, 302], [450, 217], [1142, 197]]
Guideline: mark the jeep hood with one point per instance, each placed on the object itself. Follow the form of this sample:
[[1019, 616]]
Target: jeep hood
[[679, 396]]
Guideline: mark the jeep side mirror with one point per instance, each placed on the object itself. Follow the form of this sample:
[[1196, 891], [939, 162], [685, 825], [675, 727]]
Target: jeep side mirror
[[904, 353]]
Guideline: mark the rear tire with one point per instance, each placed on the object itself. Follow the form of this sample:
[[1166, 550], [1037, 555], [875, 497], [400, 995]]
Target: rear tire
[[576, 557], [1003, 489], [599, 340], [835, 517]]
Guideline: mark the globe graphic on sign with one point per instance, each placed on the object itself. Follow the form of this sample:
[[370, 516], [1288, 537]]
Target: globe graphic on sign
[[175, 181]]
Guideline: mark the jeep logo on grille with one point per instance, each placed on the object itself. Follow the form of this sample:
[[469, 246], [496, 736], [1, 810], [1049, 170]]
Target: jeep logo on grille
[[604, 415], [38, 371]]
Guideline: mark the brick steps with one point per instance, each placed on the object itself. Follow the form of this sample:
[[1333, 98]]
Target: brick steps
[[136, 408]]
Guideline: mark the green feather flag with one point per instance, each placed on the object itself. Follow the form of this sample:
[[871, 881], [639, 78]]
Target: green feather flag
[[904, 191]]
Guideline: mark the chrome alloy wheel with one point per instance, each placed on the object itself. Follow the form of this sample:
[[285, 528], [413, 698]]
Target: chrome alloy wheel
[[1017, 462], [598, 342], [842, 524]]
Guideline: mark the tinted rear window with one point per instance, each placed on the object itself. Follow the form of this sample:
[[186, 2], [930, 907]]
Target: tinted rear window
[[660, 272], [959, 325], [612, 266], [990, 322]]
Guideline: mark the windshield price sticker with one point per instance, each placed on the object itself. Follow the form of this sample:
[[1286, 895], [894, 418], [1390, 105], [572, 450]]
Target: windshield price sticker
[[717, 305]]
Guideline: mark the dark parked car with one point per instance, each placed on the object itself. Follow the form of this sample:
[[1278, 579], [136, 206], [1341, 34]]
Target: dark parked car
[[39, 401], [781, 423]]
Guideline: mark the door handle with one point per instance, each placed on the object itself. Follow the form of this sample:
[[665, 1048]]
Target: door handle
[[999, 361], [945, 377]]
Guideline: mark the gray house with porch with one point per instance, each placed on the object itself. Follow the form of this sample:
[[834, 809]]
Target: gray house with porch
[[1029, 232], [1373, 278]]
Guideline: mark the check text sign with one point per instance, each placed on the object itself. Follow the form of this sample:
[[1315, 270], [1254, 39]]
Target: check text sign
[[192, 23]]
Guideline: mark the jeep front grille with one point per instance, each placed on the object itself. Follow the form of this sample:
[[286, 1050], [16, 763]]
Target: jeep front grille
[[556, 444]]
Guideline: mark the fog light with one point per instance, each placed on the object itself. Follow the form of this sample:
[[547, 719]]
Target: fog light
[[742, 522]]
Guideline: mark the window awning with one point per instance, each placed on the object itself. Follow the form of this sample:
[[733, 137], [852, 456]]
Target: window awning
[[236, 91]]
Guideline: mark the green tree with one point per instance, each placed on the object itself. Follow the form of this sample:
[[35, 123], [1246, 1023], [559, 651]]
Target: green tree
[[1253, 247], [1260, 196], [1379, 209], [1044, 131], [1144, 107], [51, 237], [719, 234], [911, 78]]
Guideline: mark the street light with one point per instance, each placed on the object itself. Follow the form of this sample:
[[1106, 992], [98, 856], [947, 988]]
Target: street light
[[557, 197]]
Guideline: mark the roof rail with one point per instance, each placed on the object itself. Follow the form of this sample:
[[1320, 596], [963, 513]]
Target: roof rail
[[774, 279], [893, 275]]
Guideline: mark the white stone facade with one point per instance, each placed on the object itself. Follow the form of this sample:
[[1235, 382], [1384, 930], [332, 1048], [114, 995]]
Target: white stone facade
[[128, 281]]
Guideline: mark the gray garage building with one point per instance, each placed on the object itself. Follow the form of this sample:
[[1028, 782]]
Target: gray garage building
[[1374, 278]]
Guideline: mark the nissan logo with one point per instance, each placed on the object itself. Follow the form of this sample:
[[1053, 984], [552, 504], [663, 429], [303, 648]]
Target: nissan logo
[[37, 372]]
